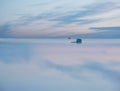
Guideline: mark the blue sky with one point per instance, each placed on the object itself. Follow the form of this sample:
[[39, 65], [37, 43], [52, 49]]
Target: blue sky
[[53, 18]]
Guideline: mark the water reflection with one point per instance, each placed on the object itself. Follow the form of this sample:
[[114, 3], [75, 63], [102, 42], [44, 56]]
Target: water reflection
[[40, 65], [14, 52]]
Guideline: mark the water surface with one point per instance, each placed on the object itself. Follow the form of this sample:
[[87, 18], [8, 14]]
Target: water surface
[[59, 65]]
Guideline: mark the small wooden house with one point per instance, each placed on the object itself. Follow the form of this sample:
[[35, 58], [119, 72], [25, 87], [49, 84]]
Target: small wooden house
[[78, 40]]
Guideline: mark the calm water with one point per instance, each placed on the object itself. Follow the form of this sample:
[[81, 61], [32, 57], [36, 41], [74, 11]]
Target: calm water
[[59, 65]]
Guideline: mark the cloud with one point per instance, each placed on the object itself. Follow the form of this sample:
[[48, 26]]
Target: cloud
[[5, 29], [72, 16], [116, 28], [101, 32], [62, 19], [89, 10], [108, 32]]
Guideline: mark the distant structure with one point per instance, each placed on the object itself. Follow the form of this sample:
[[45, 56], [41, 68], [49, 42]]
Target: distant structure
[[78, 40], [69, 37]]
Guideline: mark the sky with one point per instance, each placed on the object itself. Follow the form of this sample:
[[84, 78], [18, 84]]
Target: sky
[[59, 18]]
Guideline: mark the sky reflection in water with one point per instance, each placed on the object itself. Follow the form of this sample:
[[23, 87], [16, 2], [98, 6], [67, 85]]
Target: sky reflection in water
[[58, 65]]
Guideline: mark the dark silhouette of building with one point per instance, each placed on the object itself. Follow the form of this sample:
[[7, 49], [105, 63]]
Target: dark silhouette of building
[[78, 40], [69, 37]]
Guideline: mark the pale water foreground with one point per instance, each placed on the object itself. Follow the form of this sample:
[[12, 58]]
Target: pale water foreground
[[59, 65]]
